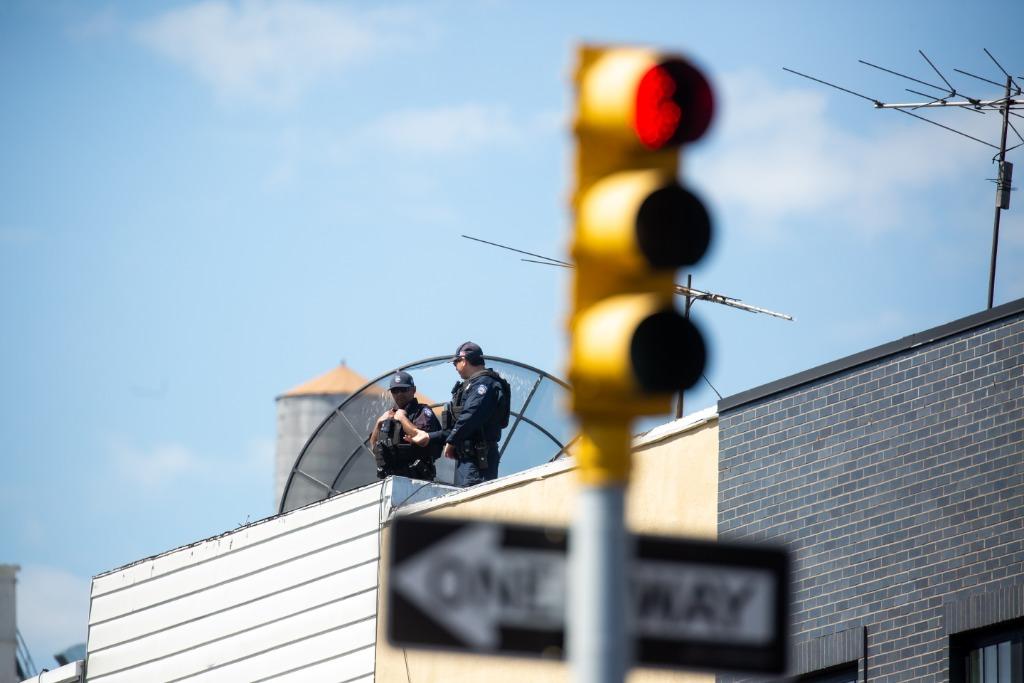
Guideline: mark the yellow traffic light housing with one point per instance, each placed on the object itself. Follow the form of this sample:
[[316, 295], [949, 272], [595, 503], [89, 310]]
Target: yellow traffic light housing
[[631, 349], [634, 226]]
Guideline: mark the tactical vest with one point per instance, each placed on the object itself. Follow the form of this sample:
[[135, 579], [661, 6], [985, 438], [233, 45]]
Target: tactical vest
[[502, 411], [394, 456]]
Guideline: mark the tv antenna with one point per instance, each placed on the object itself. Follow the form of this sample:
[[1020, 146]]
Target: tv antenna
[[1008, 105], [692, 296]]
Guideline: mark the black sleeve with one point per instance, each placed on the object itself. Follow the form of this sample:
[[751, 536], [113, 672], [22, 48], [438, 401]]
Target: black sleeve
[[426, 420], [481, 400]]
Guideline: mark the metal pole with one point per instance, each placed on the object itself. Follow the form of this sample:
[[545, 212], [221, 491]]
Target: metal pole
[[995, 225], [680, 403], [599, 645]]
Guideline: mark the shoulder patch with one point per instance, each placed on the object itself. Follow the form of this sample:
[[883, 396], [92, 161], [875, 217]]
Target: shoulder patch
[[482, 389], [427, 411]]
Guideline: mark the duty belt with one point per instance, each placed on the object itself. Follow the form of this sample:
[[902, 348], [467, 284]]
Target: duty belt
[[465, 449]]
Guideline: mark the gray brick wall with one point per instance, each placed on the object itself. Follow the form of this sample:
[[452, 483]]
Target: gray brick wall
[[899, 486]]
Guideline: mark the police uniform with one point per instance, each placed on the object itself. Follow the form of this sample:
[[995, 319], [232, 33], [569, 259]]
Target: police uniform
[[405, 459], [423, 418], [477, 427]]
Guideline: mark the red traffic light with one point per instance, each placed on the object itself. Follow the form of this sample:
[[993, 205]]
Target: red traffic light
[[674, 105]]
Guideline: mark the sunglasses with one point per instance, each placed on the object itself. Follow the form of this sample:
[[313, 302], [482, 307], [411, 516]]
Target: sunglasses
[[455, 361]]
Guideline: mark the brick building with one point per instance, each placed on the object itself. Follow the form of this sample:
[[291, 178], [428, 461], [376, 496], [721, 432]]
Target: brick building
[[896, 476]]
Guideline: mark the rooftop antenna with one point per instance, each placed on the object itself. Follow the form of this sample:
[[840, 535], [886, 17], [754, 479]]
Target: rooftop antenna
[[1008, 105], [692, 296]]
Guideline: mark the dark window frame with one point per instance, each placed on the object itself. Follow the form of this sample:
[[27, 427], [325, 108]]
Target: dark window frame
[[962, 644], [842, 673]]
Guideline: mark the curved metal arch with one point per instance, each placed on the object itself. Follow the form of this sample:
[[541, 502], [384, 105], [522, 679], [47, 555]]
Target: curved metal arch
[[429, 362], [562, 448]]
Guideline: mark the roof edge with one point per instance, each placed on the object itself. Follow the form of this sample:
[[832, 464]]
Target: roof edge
[[553, 468], [934, 334]]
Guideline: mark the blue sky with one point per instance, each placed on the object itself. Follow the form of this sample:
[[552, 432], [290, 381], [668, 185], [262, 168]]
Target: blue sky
[[203, 204]]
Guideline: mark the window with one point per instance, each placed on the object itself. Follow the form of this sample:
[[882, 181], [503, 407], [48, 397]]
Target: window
[[990, 655], [847, 673]]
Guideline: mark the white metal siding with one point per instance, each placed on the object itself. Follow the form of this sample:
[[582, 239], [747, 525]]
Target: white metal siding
[[291, 598]]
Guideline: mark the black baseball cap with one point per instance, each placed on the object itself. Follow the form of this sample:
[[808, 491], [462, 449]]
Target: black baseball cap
[[401, 380], [471, 351]]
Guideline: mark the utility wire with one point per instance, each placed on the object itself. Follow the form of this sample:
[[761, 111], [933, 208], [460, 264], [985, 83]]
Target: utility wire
[[519, 251], [711, 385]]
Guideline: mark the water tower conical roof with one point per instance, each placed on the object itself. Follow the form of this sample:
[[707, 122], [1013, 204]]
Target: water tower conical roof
[[339, 380]]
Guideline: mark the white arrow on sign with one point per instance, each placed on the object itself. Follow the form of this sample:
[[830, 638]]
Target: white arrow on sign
[[472, 585]]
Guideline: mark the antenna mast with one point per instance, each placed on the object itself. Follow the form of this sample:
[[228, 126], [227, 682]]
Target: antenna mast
[[1007, 106]]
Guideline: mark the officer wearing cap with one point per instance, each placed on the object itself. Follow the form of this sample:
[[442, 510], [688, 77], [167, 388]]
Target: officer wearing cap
[[478, 411], [416, 455]]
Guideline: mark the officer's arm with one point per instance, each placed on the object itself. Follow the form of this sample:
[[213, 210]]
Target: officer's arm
[[407, 426], [475, 411], [412, 432], [428, 423]]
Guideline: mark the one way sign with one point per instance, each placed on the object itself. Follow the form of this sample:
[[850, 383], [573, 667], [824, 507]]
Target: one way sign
[[477, 586], [496, 588]]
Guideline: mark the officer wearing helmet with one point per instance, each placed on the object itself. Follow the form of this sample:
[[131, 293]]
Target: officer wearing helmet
[[399, 439]]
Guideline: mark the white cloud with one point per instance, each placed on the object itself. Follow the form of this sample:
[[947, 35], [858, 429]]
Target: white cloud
[[448, 130], [267, 51], [445, 130], [157, 467], [781, 156], [53, 610]]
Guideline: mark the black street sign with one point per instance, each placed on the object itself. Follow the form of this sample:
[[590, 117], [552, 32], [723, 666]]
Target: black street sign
[[495, 588]]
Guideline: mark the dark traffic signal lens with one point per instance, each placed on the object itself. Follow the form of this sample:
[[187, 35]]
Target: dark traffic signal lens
[[673, 228], [667, 352]]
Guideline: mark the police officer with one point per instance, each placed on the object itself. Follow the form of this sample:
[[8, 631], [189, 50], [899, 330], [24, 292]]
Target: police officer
[[478, 412], [416, 455]]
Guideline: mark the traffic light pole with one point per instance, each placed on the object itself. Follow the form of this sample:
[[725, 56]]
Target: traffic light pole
[[599, 642], [635, 225]]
